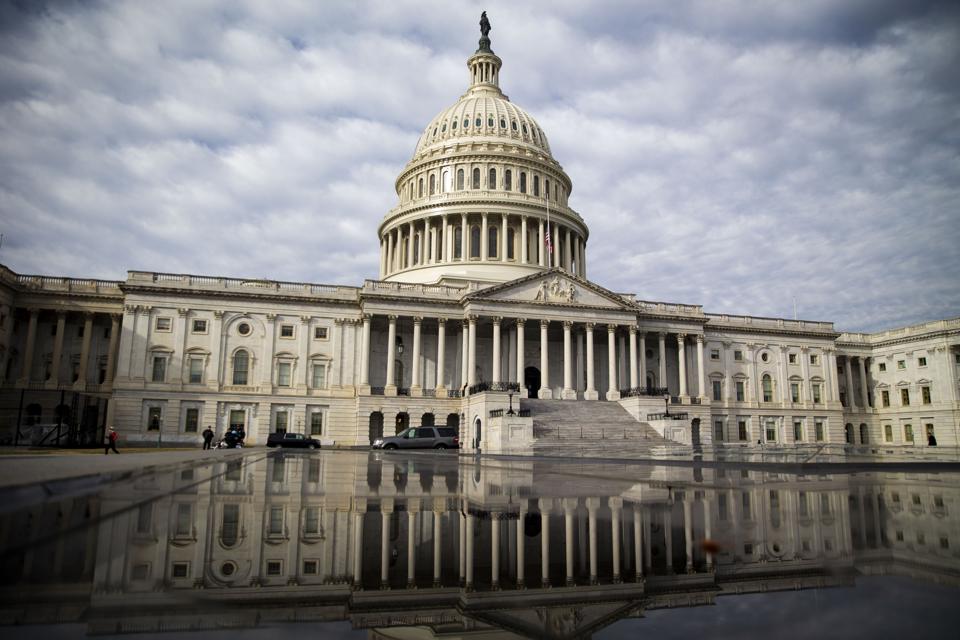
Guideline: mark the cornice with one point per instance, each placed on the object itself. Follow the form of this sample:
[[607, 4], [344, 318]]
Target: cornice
[[235, 295]]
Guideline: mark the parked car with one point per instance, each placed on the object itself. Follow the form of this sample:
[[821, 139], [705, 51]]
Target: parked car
[[297, 440], [421, 438]]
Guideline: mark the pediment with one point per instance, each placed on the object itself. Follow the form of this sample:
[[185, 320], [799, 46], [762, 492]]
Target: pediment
[[554, 287]]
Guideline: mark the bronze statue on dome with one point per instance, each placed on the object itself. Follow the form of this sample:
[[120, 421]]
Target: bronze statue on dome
[[484, 25]]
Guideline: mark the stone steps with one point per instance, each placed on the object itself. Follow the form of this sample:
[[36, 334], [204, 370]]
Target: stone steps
[[594, 421]]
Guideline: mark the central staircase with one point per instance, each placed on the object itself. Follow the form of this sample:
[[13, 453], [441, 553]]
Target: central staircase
[[558, 421]]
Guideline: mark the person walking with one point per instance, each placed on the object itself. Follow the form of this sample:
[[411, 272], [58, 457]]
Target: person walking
[[111, 443], [208, 438]]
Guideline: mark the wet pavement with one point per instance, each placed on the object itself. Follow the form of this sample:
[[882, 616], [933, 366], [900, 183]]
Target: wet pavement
[[428, 544]]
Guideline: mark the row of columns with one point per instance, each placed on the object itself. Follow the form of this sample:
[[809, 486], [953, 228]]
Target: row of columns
[[436, 238], [88, 320], [864, 400]]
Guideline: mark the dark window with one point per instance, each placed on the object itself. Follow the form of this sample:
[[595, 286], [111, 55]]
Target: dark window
[[508, 180], [447, 432], [425, 432], [523, 182], [476, 178]]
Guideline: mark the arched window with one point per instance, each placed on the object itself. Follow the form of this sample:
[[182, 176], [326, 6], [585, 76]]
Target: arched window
[[420, 188], [466, 122], [433, 184], [503, 123], [475, 241], [241, 367], [511, 238], [508, 180], [416, 248], [767, 383], [536, 185], [459, 179], [492, 242], [230, 525], [514, 124], [445, 184], [476, 178], [478, 122], [523, 182], [490, 121], [453, 125], [458, 243], [863, 434], [492, 179], [546, 189]]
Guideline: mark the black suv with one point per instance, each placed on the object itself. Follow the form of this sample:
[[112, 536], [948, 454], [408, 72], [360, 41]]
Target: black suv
[[421, 438], [297, 440]]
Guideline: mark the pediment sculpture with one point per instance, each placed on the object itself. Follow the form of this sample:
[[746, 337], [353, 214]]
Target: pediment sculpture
[[556, 291]]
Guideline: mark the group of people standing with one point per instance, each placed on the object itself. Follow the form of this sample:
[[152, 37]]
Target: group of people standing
[[232, 439]]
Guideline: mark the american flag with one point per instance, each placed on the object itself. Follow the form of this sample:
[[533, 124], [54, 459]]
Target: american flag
[[546, 240]]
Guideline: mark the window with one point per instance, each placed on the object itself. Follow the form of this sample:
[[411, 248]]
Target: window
[[275, 526], [944, 542], [745, 505], [313, 471], [882, 367], [511, 240], [818, 430], [921, 361], [184, 525], [905, 397], [740, 391], [794, 392], [908, 433], [199, 326], [241, 364], [888, 433], [310, 567], [824, 504], [738, 355], [230, 524], [901, 364], [816, 394], [140, 571], [286, 331], [814, 358], [513, 123], [196, 370], [79, 330], [523, 182], [191, 420], [320, 333], [433, 181], [180, 569], [243, 329], [508, 180], [319, 379], [159, 368], [714, 354], [458, 243], [283, 374], [718, 430], [316, 423], [492, 179], [420, 188], [144, 518], [280, 422], [154, 416], [460, 180], [716, 389], [536, 185], [162, 324], [492, 235], [925, 395], [742, 430], [798, 431], [476, 178], [475, 242], [771, 431], [722, 508], [767, 384], [792, 358], [764, 356]]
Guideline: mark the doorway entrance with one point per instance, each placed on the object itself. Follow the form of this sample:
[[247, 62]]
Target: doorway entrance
[[376, 426], [531, 381], [403, 421]]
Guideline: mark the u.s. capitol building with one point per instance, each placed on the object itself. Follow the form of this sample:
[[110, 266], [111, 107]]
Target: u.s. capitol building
[[482, 293]]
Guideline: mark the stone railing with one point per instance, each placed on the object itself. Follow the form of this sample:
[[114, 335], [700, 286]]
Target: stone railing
[[471, 195], [480, 387], [669, 308], [234, 284], [414, 290], [654, 392], [666, 416], [901, 332], [66, 285], [770, 323]]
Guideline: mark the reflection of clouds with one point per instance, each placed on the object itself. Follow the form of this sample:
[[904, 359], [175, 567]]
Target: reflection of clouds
[[797, 145]]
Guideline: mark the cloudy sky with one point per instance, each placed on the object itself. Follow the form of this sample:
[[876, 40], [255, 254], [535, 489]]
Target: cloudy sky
[[734, 154]]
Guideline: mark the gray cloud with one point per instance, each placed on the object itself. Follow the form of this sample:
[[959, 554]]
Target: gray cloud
[[725, 154]]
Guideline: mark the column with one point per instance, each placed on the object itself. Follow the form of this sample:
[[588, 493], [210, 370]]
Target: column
[[412, 508], [389, 387], [464, 352], [510, 373], [365, 353], [386, 508], [592, 505], [567, 257], [668, 536], [682, 358], [540, 246], [864, 397], [358, 538], [701, 378], [484, 249], [848, 370], [58, 349], [643, 358], [556, 246], [463, 546], [623, 368], [688, 530], [707, 515], [437, 529], [495, 551], [115, 342], [469, 579], [648, 547], [568, 392], [503, 238], [521, 560], [85, 350], [472, 352], [387, 265], [524, 243], [521, 365], [434, 245], [423, 244], [411, 238], [416, 387], [545, 392], [663, 360], [612, 392], [447, 246], [591, 392], [638, 542], [616, 505], [807, 393], [546, 505], [633, 357], [495, 378], [833, 383], [464, 239], [441, 354], [569, 504]]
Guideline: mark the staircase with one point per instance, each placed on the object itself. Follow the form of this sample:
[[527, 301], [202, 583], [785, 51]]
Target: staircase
[[556, 421]]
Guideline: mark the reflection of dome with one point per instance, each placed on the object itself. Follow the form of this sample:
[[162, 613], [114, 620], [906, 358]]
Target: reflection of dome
[[479, 194]]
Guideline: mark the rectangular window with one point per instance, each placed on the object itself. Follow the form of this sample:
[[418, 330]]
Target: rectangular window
[[184, 525], [311, 520], [718, 430], [921, 361], [814, 358], [740, 391], [275, 527], [191, 421], [283, 374], [716, 390], [901, 364], [885, 398], [899, 535], [154, 416], [792, 358], [280, 422], [180, 569], [798, 431], [742, 430], [748, 549], [309, 567], [888, 433], [738, 356], [230, 525], [908, 433], [905, 397], [80, 331], [196, 370], [804, 506], [279, 469], [824, 504], [144, 518], [319, 376], [320, 333], [818, 430], [286, 331], [163, 324], [140, 571], [882, 367], [274, 568], [159, 368], [816, 394], [925, 394], [722, 506], [199, 326], [313, 471], [714, 354], [771, 431], [316, 423], [745, 505], [794, 392]]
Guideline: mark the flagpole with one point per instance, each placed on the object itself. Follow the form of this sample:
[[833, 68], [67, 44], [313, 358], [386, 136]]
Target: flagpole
[[548, 241]]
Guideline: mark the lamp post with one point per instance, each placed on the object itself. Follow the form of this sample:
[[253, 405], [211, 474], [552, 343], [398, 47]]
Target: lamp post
[[666, 402], [510, 410]]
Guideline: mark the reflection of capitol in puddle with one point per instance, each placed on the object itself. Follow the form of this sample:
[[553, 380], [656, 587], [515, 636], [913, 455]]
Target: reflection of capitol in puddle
[[526, 547]]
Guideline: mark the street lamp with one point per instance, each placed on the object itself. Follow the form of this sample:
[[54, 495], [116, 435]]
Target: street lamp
[[510, 410], [666, 402]]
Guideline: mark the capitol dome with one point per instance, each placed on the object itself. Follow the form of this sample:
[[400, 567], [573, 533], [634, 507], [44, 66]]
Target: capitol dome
[[481, 195]]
